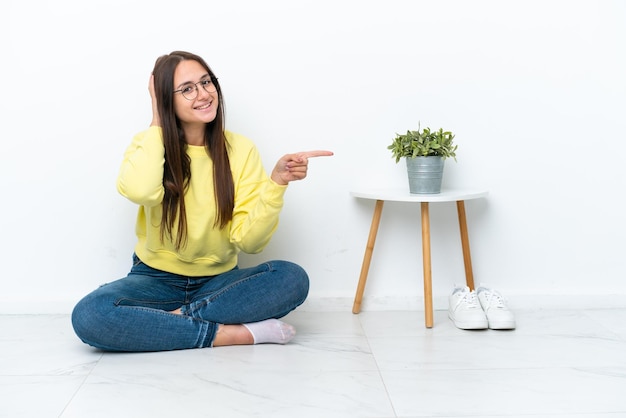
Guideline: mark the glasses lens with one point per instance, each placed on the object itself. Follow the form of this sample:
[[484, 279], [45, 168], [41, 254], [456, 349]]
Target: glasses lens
[[190, 92], [208, 86]]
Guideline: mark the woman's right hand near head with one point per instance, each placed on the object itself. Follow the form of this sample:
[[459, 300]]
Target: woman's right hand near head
[[156, 121]]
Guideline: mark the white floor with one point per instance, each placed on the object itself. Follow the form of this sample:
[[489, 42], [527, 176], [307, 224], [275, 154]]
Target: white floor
[[375, 364]]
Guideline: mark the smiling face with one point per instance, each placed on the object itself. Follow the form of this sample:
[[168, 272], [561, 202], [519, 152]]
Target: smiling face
[[194, 114]]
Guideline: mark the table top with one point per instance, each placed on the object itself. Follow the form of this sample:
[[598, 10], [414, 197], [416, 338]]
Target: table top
[[403, 195]]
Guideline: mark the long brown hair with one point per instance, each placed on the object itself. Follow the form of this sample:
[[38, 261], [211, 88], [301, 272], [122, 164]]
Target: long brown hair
[[177, 169]]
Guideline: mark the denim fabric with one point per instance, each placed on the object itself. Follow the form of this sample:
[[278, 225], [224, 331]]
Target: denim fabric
[[131, 314]]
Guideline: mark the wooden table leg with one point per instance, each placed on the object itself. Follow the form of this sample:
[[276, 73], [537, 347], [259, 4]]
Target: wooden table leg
[[467, 258], [428, 279], [369, 249]]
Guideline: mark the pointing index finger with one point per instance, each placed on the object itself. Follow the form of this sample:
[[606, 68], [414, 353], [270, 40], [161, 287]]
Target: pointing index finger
[[317, 153]]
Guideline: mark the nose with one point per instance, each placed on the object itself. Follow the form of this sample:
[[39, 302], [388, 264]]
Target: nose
[[201, 91]]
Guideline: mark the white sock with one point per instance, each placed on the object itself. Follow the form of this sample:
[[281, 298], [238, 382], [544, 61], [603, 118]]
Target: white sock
[[271, 331]]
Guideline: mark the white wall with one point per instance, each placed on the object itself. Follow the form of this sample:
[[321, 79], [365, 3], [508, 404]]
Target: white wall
[[534, 91]]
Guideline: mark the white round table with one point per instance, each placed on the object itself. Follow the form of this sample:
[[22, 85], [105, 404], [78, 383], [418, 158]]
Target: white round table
[[402, 195]]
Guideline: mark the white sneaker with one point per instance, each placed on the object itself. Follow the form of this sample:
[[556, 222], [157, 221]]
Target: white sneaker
[[494, 305], [465, 311]]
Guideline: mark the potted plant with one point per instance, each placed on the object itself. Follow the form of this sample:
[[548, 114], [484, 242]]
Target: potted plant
[[425, 152]]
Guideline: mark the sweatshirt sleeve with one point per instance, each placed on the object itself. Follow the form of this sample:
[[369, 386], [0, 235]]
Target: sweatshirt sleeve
[[258, 202], [140, 177]]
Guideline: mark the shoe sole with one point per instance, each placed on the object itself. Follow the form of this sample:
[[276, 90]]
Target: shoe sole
[[469, 325], [502, 325]]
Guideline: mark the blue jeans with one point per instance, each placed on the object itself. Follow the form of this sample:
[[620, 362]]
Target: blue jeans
[[132, 314]]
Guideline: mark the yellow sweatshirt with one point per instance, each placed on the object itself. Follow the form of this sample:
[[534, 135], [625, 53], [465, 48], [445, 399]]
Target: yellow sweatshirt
[[209, 251]]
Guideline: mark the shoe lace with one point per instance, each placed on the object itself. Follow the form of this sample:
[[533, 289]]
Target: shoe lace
[[470, 299], [494, 299]]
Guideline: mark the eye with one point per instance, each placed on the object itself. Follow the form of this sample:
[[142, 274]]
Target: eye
[[206, 83], [187, 89]]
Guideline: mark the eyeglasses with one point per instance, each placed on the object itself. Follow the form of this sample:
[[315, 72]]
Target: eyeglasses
[[190, 91]]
